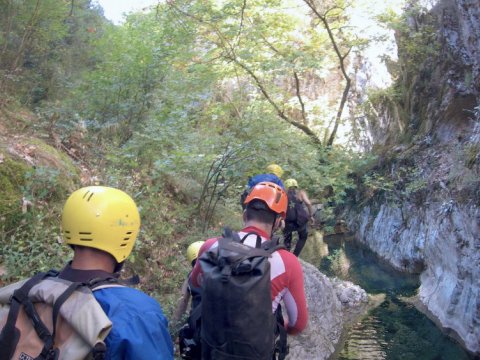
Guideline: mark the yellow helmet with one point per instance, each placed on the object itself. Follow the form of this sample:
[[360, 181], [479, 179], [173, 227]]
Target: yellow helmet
[[193, 249], [290, 183], [103, 218], [275, 169]]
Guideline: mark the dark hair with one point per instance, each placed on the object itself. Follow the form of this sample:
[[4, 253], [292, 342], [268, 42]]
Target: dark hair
[[257, 210]]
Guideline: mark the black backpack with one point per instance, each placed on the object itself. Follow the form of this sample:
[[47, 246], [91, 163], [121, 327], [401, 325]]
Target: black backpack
[[236, 309], [296, 211]]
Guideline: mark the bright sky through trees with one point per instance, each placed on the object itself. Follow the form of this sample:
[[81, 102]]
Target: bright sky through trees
[[114, 9], [362, 13]]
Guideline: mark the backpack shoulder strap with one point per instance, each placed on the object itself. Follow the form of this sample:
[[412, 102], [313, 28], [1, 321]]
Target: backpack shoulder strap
[[269, 246], [61, 299], [195, 315], [272, 245], [236, 250], [112, 281], [258, 242], [239, 252], [281, 344]]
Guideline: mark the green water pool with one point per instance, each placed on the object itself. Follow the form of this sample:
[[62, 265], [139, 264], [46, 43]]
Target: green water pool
[[393, 330]]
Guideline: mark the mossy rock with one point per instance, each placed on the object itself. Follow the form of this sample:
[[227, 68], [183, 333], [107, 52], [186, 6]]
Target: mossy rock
[[36, 171], [54, 174], [51, 157]]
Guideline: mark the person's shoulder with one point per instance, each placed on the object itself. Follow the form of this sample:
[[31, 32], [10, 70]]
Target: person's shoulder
[[290, 261], [127, 297], [287, 254], [207, 245], [210, 242], [303, 194]]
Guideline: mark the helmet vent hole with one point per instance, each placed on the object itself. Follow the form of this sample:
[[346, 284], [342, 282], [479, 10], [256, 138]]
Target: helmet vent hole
[[277, 198], [129, 232], [127, 238], [85, 238], [123, 245], [88, 195]]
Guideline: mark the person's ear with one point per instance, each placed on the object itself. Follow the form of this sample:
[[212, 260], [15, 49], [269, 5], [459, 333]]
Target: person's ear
[[278, 223]]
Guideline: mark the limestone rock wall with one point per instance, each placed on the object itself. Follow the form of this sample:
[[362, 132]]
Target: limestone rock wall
[[442, 242], [430, 222]]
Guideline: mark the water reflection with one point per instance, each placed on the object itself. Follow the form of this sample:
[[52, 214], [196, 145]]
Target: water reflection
[[393, 330]]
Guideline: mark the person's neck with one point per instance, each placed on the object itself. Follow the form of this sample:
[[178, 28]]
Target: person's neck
[[91, 259], [266, 228]]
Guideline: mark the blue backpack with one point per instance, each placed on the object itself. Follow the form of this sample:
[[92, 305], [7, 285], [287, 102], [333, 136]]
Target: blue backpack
[[254, 180]]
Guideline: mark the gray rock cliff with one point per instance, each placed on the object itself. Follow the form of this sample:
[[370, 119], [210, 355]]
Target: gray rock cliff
[[429, 222]]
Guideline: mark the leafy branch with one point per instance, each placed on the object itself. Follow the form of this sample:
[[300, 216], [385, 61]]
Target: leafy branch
[[341, 59], [229, 54]]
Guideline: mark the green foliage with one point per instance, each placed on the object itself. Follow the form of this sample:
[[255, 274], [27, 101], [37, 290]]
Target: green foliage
[[34, 245], [146, 78], [405, 183], [29, 210], [12, 178], [415, 186], [44, 45], [261, 49], [337, 168], [44, 184], [30, 236], [376, 182], [418, 46], [417, 38]]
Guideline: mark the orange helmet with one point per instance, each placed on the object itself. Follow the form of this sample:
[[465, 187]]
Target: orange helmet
[[272, 195]]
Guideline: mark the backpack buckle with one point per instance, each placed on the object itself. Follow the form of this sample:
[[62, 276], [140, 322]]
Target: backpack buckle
[[99, 351]]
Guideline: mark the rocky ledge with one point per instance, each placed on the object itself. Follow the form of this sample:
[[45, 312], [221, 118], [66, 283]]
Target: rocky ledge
[[332, 305]]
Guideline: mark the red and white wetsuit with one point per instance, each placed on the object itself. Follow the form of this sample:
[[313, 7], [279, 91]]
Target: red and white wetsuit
[[286, 279]]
